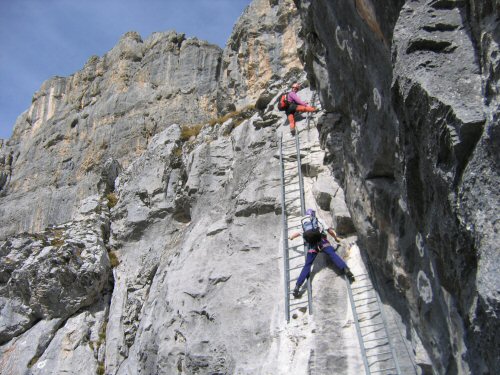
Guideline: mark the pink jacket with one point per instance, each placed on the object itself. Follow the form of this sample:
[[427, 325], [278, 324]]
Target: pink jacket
[[294, 98]]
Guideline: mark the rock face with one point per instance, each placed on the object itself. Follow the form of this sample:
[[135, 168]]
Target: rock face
[[261, 49], [53, 291], [165, 251], [412, 137], [189, 222], [109, 109]]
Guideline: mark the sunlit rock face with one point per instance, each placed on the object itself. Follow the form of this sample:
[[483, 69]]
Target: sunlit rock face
[[413, 134], [110, 109], [261, 49], [165, 256]]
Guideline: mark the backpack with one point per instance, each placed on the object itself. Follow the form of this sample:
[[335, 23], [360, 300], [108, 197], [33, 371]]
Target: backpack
[[283, 102], [312, 229]]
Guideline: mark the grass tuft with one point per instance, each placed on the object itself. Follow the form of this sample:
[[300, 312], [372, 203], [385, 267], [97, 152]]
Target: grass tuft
[[188, 131], [112, 200], [58, 239], [33, 361], [113, 259]]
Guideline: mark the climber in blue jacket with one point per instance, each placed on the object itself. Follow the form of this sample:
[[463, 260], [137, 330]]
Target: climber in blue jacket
[[317, 244]]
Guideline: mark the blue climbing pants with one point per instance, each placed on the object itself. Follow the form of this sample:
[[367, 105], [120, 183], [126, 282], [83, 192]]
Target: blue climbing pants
[[311, 255], [336, 259]]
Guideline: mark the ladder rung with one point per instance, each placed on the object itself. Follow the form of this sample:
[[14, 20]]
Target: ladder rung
[[362, 292], [384, 369], [373, 355], [369, 311], [363, 276], [297, 256], [375, 339], [377, 345], [295, 246], [371, 325], [375, 331], [295, 268], [297, 249], [365, 299], [361, 286], [378, 360], [297, 303]]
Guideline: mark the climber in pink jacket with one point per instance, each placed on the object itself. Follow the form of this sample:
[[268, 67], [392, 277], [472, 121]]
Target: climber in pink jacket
[[296, 105]]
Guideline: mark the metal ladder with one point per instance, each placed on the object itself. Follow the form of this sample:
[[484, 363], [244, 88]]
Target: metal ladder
[[377, 350], [293, 256]]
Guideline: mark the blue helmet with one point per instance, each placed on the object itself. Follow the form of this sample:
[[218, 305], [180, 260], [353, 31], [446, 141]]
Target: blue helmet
[[310, 212]]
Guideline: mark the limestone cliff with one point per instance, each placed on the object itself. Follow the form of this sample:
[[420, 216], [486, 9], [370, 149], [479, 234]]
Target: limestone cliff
[[262, 49], [81, 130], [413, 134], [140, 197]]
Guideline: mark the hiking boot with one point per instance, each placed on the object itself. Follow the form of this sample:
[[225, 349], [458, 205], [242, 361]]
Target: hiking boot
[[296, 291], [292, 131], [349, 275]]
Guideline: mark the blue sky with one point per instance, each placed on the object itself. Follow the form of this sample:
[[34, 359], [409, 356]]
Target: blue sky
[[44, 38]]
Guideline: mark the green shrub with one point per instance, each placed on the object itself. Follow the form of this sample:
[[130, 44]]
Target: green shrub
[[112, 199], [187, 131], [58, 239], [101, 369], [238, 116], [113, 259], [33, 361]]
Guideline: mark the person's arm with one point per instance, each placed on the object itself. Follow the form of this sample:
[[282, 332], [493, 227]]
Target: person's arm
[[294, 235], [332, 233], [293, 97]]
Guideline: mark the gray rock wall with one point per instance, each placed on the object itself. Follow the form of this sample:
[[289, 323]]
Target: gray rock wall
[[412, 93], [184, 273], [261, 49], [183, 300], [109, 109]]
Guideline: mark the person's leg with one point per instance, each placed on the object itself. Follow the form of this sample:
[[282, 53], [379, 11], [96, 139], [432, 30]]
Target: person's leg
[[336, 259], [291, 120], [305, 108], [304, 274], [339, 262]]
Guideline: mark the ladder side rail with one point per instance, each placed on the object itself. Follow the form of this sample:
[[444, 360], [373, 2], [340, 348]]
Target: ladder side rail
[[302, 213], [301, 181], [384, 320], [358, 328], [286, 272]]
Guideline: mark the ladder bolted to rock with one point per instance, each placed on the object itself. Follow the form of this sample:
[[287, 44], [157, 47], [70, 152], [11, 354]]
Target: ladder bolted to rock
[[292, 208], [291, 215], [377, 351]]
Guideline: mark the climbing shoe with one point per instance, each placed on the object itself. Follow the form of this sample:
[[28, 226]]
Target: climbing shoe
[[296, 292], [349, 275], [292, 131]]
